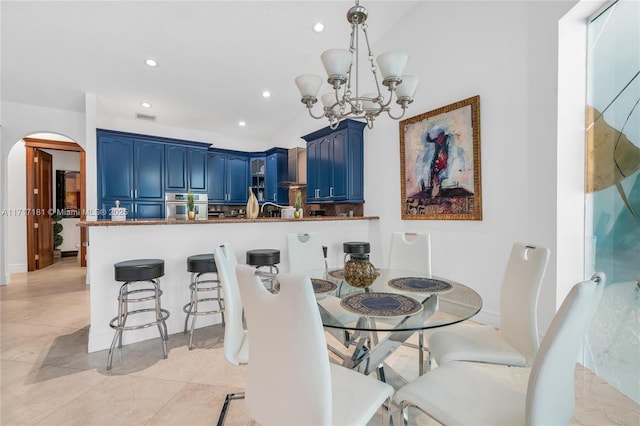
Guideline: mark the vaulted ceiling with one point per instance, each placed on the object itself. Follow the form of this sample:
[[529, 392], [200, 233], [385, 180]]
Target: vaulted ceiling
[[215, 57]]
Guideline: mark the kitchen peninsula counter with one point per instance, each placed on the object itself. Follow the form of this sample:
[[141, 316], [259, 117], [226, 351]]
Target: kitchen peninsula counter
[[106, 222], [175, 240]]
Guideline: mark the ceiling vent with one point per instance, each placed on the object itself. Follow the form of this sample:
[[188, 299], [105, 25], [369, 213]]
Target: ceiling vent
[[145, 117]]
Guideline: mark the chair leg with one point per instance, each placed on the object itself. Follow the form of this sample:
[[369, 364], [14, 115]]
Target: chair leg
[[225, 406], [405, 414], [387, 406]]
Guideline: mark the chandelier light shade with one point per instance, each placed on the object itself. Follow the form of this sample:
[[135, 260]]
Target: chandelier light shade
[[342, 68]]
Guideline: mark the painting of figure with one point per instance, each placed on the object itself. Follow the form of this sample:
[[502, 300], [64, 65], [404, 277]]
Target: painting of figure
[[440, 163]]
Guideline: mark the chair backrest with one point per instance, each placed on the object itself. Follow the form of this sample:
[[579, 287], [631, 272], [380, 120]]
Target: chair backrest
[[234, 333], [305, 252], [289, 380], [410, 251], [550, 393], [519, 297]]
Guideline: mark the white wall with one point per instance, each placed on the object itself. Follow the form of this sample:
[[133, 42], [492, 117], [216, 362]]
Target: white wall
[[506, 52]]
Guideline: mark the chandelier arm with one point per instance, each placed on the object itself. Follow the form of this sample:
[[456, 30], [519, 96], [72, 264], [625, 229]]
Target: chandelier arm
[[314, 116], [404, 109]]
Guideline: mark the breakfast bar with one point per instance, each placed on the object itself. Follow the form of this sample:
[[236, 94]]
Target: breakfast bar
[[173, 241]]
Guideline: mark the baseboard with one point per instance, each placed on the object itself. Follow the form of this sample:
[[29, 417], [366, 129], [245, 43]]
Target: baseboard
[[17, 268], [488, 318]]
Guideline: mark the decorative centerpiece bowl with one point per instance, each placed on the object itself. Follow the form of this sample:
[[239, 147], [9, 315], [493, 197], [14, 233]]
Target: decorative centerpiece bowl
[[359, 272]]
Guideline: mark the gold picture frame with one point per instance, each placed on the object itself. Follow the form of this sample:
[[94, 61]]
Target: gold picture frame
[[440, 175]]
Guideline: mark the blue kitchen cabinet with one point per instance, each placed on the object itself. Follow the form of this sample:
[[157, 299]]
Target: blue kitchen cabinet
[[131, 171], [276, 171], [186, 168], [228, 177], [335, 164]]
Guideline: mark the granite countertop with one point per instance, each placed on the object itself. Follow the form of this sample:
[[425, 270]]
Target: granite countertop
[[107, 222]]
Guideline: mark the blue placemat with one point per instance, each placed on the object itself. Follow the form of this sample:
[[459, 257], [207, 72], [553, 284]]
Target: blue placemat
[[420, 285], [338, 274], [383, 305], [319, 286], [322, 286]]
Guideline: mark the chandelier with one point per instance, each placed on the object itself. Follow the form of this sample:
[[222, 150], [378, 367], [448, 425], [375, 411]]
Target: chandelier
[[342, 67]]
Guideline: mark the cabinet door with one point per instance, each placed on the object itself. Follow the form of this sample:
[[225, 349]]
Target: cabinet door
[[149, 210], [313, 160], [339, 148], [148, 170], [258, 175], [197, 169], [115, 165], [216, 176], [277, 170], [325, 169], [176, 163], [237, 179]]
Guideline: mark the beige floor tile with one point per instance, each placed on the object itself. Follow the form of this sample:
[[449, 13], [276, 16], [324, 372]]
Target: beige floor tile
[[42, 392], [48, 377], [117, 400]]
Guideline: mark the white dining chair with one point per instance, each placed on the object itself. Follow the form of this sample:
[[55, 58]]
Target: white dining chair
[[236, 342], [457, 393], [305, 254], [411, 251], [517, 341], [304, 251], [290, 379]]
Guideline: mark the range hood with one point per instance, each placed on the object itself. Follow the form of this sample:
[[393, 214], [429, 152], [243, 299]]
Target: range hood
[[297, 167]]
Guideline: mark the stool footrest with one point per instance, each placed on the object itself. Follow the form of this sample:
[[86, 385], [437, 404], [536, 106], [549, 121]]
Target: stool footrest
[[163, 312]]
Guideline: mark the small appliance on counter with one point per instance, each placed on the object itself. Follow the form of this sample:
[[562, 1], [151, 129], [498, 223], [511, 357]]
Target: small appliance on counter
[[176, 205], [317, 212], [118, 213]]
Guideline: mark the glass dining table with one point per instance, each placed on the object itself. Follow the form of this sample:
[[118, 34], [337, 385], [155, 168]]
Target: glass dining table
[[370, 323]]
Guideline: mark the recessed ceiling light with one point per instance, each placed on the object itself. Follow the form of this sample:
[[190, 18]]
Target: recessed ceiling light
[[318, 27], [266, 94], [241, 123], [145, 104], [151, 62]]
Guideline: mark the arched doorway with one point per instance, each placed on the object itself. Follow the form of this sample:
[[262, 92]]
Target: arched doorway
[[39, 180]]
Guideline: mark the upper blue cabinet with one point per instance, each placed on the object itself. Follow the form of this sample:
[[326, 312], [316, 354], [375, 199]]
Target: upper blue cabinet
[[131, 171], [335, 164], [186, 168], [228, 177]]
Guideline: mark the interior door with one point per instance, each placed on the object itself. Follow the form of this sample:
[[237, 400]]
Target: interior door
[[43, 206]]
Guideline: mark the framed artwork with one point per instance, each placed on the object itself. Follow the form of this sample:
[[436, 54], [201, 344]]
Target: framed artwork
[[440, 163], [68, 193]]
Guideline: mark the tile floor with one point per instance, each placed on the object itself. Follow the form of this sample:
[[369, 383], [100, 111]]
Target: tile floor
[[47, 378]]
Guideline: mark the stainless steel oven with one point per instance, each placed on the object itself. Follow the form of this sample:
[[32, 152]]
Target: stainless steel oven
[[176, 205]]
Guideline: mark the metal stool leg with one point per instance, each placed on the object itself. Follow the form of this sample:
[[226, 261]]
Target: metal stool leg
[[162, 325]]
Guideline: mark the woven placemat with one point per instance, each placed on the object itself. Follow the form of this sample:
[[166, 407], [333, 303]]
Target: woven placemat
[[319, 286], [383, 305], [338, 274], [420, 285]]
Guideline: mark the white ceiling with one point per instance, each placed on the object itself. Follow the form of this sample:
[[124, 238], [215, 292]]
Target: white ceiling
[[216, 57]]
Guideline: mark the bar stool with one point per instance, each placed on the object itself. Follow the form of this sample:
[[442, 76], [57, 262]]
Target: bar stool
[[355, 248], [199, 265], [261, 258], [141, 279], [326, 264]]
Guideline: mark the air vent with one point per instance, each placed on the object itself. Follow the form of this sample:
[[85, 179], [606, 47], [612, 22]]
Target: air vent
[[145, 117]]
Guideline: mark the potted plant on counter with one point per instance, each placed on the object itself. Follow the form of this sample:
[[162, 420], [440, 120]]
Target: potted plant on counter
[[298, 205], [191, 211]]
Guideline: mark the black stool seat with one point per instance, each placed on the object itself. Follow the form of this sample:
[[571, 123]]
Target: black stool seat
[[356, 247], [263, 257], [139, 269], [201, 263]]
